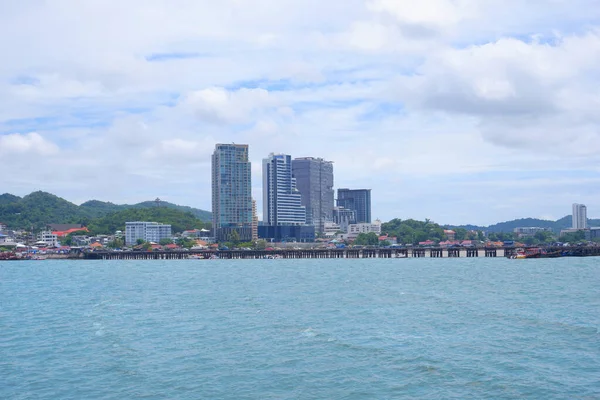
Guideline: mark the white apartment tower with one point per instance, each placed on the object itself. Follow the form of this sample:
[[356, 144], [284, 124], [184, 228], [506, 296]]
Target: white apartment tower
[[579, 216]]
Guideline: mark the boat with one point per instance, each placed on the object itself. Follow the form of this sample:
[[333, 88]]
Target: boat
[[535, 252], [9, 257]]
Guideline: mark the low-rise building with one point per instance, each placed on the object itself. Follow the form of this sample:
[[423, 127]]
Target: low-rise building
[[287, 233], [343, 217], [330, 229], [147, 231], [5, 239], [529, 231], [195, 233], [49, 238], [450, 234], [356, 229]]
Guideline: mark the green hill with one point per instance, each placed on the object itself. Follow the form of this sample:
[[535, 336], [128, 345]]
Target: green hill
[[39, 209], [178, 220], [98, 208], [8, 198]]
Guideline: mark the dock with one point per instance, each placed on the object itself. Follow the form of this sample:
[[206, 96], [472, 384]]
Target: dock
[[416, 252]]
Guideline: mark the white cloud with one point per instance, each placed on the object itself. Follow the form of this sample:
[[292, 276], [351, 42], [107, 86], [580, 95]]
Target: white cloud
[[413, 99], [22, 145]]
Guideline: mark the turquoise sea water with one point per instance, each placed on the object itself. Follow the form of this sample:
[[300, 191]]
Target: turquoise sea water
[[301, 329]]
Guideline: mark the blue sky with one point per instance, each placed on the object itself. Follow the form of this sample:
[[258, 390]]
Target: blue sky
[[461, 111]]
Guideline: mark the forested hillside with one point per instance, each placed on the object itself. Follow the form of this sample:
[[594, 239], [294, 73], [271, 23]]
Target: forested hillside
[[39, 209], [178, 220]]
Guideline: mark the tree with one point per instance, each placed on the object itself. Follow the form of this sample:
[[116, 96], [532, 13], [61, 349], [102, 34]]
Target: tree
[[573, 237], [461, 233], [116, 244], [544, 236], [186, 242], [165, 241], [260, 244], [140, 241], [234, 238], [366, 239]]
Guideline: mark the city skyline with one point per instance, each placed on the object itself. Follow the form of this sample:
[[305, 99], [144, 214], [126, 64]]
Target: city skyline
[[459, 112]]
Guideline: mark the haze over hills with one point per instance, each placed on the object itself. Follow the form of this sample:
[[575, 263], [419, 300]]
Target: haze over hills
[[39, 209]]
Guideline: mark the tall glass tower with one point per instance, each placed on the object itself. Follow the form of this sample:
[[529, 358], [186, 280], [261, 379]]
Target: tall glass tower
[[282, 202], [231, 192], [314, 179], [358, 200]]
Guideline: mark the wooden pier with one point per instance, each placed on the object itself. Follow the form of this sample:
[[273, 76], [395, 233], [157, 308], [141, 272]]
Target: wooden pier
[[299, 254], [416, 252]]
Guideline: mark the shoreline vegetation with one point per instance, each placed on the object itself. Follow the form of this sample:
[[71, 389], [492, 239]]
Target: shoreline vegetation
[[37, 210]]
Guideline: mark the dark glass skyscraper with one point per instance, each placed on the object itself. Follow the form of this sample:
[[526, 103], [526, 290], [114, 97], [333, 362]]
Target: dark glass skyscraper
[[358, 200], [231, 192], [314, 180]]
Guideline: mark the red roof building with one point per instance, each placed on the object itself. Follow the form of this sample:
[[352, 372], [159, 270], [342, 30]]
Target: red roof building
[[69, 231]]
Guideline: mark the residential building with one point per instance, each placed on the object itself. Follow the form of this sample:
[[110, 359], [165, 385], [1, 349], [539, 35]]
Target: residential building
[[450, 234], [358, 200], [2, 227], [331, 229], [314, 180], [47, 237], [282, 202], [579, 216], [147, 231], [529, 231], [355, 229], [231, 192], [254, 221], [5, 239], [195, 233], [344, 217]]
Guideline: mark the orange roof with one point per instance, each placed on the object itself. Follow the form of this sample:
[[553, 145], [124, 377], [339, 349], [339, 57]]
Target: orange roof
[[65, 233], [96, 245]]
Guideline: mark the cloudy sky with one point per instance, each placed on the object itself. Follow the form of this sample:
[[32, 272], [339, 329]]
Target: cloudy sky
[[461, 111]]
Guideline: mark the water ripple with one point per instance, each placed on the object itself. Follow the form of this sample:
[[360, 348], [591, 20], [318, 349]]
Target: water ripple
[[300, 329]]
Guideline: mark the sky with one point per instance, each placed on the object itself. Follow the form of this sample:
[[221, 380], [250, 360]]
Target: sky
[[460, 111]]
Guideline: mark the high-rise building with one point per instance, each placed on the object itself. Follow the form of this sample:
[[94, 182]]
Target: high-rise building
[[358, 200], [231, 192], [282, 202], [579, 216], [314, 180]]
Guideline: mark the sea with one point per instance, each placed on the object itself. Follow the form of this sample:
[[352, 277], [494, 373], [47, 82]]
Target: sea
[[472, 328]]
